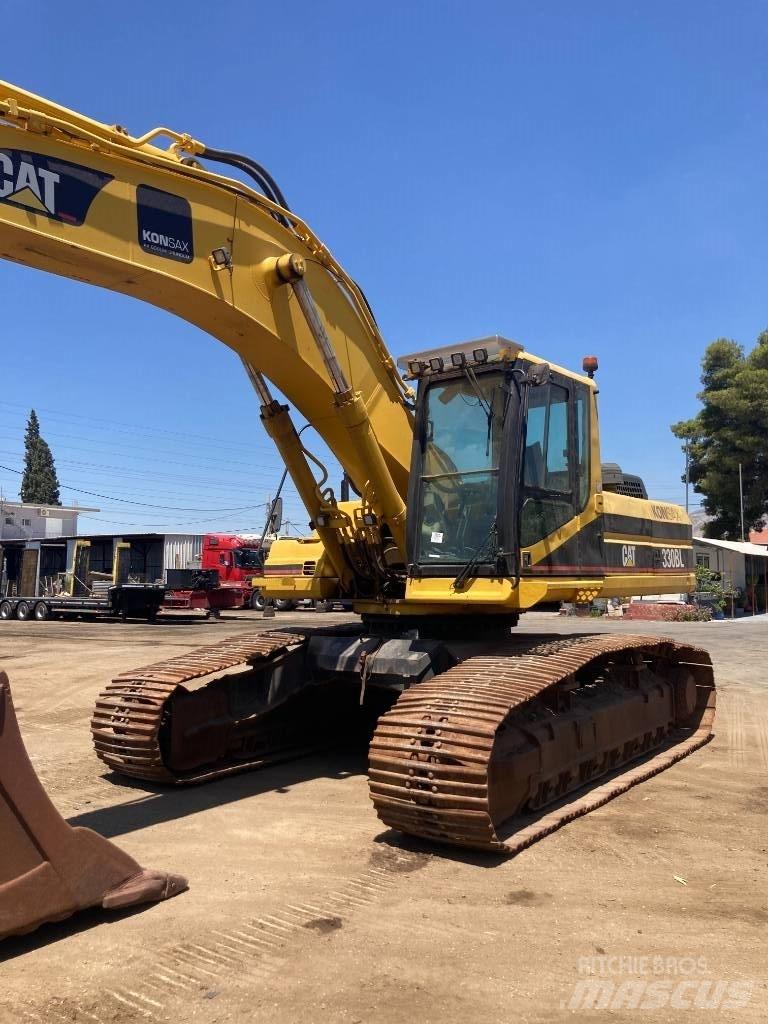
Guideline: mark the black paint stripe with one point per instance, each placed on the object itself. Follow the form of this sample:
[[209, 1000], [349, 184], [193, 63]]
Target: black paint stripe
[[646, 528]]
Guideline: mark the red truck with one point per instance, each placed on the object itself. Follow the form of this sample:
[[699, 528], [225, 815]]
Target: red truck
[[231, 568], [238, 559]]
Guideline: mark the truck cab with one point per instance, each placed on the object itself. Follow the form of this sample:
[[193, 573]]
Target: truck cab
[[237, 559]]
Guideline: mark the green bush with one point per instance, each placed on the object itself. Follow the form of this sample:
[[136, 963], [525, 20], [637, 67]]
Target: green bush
[[693, 615], [711, 583]]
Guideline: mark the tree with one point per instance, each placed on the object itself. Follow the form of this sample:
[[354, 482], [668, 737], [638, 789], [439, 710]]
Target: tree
[[39, 484], [730, 430]]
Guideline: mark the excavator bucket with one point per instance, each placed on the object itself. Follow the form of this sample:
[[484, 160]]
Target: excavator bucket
[[49, 870]]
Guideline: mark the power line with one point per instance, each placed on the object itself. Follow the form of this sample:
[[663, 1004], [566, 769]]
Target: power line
[[152, 454], [129, 427], [143, 504], [159, 493], [131, 448], [132, 428], [136, 451]]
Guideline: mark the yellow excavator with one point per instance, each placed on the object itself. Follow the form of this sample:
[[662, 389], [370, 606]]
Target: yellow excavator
[[480, 495]]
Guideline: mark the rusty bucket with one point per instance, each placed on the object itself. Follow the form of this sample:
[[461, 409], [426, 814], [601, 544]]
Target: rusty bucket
[[49, 870]]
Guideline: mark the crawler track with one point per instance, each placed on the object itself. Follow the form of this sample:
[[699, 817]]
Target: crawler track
[[130, 713], [489, 754], [448, 759]]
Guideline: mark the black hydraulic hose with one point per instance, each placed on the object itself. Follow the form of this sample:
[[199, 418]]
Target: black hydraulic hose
[[260, 174], [260, 182], [367, 303], [269, 187]]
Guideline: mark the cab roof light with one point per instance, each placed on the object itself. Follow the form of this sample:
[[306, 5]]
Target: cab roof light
[[436, 364], [589, 366], [492, 348], [416, 367], [459, 359]]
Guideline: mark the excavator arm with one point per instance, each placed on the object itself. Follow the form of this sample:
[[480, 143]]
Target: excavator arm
[[91, 202]]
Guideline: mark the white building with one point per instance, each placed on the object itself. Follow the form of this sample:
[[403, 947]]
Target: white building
[[740, 564], [20, 522]]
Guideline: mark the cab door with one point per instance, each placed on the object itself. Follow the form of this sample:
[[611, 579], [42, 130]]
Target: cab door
[[555, 479]]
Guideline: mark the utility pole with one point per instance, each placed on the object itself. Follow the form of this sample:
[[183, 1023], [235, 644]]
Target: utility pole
[[741, 502], [687, 468]]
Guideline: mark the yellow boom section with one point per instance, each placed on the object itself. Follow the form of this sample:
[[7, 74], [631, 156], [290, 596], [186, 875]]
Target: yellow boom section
[[88, 201]]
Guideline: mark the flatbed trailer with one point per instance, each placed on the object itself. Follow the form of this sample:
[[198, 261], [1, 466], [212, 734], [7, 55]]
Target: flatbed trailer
[[203, 590], [212, 601], [125, 600]]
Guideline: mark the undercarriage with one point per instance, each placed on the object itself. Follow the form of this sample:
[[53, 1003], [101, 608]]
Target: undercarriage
[[488, 744]]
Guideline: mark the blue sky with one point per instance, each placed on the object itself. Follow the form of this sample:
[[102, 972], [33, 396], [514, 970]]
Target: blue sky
[[583, 177]]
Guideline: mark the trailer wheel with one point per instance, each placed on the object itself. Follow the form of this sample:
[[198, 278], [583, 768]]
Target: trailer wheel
[[23, 610], [42, 611], [284, 604], [258, 601], [6, 610]]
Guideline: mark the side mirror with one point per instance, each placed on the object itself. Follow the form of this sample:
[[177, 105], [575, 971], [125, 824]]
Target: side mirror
[[539, 374], [276, 516]]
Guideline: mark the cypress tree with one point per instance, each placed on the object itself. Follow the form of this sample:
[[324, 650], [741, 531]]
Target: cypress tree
[[39, 484]]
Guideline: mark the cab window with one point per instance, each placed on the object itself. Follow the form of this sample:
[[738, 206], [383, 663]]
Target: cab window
[[582, 444], [547, 470], [547, 454]]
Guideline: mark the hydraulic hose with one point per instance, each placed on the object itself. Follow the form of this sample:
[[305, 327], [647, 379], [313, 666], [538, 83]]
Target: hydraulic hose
[[260, 175], [268, 186]]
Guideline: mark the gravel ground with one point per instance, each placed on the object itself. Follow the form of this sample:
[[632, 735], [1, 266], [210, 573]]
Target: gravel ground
[[303, 907]]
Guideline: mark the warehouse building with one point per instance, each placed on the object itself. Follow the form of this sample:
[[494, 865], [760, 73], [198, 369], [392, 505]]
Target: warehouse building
[[41, 527], [151, 555]]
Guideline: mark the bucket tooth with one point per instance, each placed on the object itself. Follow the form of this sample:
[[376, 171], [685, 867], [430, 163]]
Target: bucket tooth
[[49, 870]]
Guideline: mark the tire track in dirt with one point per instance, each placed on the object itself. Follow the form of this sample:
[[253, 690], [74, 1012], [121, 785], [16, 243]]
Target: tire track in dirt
[[721, 742], [742, 726], [758, 715], [251, 950], [736, 732]]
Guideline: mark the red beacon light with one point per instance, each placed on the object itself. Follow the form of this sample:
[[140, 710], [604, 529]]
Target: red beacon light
[[589, 366]]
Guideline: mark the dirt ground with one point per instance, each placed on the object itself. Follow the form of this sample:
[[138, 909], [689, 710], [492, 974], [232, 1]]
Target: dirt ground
[[303, 907]]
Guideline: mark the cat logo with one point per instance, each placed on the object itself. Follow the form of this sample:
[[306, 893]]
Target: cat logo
[[53, 188], [28, 185], [628, 556]]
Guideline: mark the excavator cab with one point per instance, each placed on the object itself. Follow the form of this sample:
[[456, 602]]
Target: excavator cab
[[500, 458]]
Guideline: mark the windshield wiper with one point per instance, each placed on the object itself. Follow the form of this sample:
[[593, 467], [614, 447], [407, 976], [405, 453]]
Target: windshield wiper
[[477, 557], [485, 405]]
